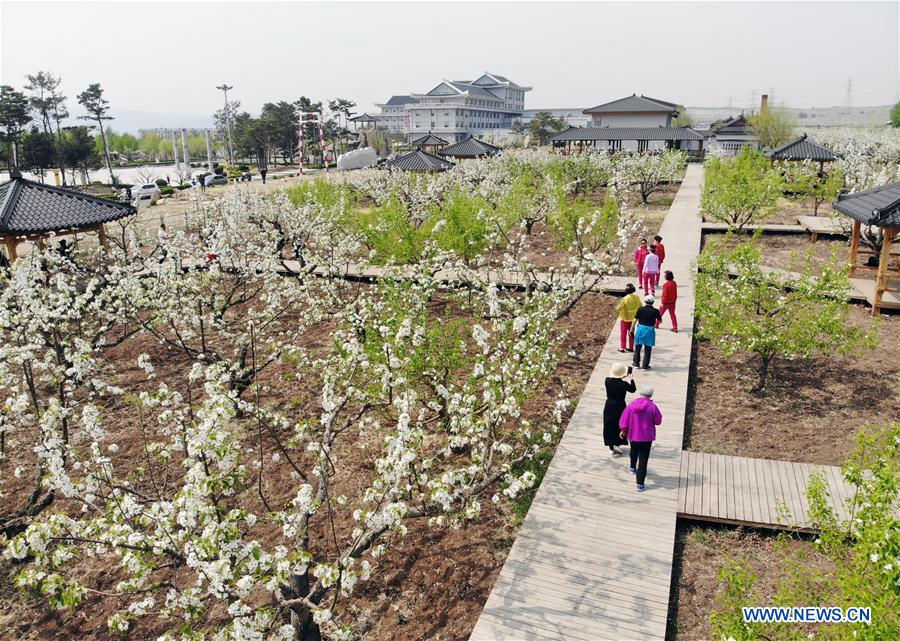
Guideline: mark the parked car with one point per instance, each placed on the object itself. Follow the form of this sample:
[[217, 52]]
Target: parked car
[[145, 192], [209, 180]]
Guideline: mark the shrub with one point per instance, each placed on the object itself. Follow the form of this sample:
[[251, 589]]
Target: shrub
[[740, 190], [183, 186], [166, 190], [772, 314], [161, 182]]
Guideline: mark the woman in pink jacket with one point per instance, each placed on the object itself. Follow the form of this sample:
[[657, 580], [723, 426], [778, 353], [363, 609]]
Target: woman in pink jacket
[[639, 255], [638, 425]]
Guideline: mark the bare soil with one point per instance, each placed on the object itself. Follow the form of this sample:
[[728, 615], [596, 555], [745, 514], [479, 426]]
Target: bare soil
[[430, 585], [702, 551], [812, 409]]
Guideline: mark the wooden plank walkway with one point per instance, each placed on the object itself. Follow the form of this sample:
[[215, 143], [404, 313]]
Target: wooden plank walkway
[[351, 271], [816, 225], [593, 559], [861, 289], [758, 492], [772, 228]]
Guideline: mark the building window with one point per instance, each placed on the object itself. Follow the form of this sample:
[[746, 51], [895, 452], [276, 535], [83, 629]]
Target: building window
[[446, 123]]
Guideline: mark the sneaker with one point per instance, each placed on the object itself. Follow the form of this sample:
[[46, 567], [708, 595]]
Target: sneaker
[[622, 350], [646, 367], [641, 487], [674, 330], [616, 451], [633, 470], [630, 350]]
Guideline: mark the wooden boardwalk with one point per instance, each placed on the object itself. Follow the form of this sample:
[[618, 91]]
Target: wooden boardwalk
[[593, 559], [748, 491], [773, 228]]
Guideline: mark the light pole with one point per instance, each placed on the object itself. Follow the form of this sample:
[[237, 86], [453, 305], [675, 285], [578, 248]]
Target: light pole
[[224, 89]]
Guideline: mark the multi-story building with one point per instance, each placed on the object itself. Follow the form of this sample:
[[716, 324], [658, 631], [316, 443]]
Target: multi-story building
[[456, 109]]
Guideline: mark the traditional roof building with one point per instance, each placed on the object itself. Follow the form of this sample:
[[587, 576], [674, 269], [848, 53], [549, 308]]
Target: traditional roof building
[[802, 149], [456, 109], [629, 138], [633, 111], [419, 161], [879, 207], [470, 148], [734, 134], [365, 120], [429, 141], [31, 211]]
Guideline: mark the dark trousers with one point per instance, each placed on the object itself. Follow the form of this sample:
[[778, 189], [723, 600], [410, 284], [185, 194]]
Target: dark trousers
[[162, 257], [640, 454], [637, 355]]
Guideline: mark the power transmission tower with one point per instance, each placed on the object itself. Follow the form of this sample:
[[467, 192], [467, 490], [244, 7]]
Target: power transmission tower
[[849, 100], [730, 101], [753, 104]]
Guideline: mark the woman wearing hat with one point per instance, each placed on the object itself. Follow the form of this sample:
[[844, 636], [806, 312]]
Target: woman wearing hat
[[644, 327], [616, 389]]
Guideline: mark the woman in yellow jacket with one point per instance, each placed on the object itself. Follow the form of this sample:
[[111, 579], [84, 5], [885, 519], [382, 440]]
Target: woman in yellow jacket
[[627, 308]]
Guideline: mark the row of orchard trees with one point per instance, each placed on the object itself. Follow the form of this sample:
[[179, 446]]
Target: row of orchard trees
[[285, 431], [745, 189]]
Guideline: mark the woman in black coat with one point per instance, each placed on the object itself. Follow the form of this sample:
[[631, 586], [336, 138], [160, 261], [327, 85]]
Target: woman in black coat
[[616, 388]]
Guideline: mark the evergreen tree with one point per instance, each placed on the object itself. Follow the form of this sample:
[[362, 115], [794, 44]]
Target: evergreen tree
[[97, 107]]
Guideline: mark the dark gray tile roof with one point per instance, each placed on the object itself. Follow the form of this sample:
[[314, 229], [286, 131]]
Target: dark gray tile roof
[[475, 90], [735, 125], [400, 100], [626, 133], [429, 139], [631, 104], [877, 206], [470, 148], [364, 117], [28, 207], [802, 149], [419, 161], [444, 89]]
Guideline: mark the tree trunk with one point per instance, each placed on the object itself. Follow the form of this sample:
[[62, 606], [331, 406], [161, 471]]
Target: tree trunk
[[112, 176], [762, 374]]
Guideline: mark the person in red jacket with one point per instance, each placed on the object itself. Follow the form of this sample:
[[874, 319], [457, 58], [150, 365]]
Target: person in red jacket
[[639, 255], [660, 249], [667, 302]]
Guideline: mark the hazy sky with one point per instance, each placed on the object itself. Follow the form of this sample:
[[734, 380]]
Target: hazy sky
[[167, 58]]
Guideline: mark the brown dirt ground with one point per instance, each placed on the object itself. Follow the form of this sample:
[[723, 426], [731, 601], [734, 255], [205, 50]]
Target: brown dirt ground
[[701, 551], [543, 251], [431, 584], [813, 408]]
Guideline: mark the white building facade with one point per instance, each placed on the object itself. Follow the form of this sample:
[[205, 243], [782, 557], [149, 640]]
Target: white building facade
[[456, 109]]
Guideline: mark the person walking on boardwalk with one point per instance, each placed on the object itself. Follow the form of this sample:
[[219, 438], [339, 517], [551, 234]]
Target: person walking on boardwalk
[[262, 172], [644, 328], [627, 307], [667, 302], [660, 249], [651, 271], [639, 256], [638, 425], [616, 389]]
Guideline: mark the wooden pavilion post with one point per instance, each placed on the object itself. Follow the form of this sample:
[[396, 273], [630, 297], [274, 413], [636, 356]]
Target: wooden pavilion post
[[11, 243], [881, 280], [854, 246], [101, 234]]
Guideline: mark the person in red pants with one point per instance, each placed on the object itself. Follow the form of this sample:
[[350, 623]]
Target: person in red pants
[[627, 308], [639, 255], [667, 302], [651, 272]]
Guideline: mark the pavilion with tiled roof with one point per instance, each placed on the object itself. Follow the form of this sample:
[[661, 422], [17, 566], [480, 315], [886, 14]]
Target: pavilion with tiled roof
[[802, 149], [471, 147], [429, 142], [419, 161], [31, 211], [877, 207]]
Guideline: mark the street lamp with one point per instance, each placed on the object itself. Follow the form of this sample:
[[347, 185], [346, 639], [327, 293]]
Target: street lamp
[[224, 89]]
